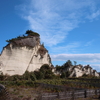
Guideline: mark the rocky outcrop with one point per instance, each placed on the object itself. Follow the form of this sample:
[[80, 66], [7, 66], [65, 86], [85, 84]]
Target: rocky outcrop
[[77, 71], [23, 53]]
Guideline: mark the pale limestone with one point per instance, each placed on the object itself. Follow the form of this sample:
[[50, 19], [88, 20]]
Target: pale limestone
[[16, 60]]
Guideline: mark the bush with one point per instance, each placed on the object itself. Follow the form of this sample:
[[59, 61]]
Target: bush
[[32, 76], [85, 75], [1, 77], [29, 76], [29, 32], [26, 75], [39, 75], [47, 72], [63, 75]]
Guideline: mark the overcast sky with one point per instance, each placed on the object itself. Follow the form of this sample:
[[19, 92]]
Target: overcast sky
[[69, 29]]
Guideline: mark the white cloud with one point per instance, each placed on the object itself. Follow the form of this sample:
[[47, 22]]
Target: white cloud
[[96, 67], [53, 19], [92, 58], [68, 48]]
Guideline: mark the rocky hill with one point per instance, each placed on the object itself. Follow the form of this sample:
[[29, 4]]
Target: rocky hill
[[23, 53], [70, 70]]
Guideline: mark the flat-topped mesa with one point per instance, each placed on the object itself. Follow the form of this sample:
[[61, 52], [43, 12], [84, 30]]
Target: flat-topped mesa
[[24, 53]]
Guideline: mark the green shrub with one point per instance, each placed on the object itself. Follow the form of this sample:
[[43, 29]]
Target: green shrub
[[32, 76], [39, 75]]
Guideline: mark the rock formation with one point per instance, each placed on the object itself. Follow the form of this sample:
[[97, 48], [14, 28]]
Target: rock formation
[[79, 71], [23, 53], [76, 70]]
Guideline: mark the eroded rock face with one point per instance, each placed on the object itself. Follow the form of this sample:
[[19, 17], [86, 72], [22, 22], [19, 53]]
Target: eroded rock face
[[23, 54], [78, 71]]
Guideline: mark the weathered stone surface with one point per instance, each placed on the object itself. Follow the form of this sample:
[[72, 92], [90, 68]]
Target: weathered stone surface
[[79, 70], [23, 54]]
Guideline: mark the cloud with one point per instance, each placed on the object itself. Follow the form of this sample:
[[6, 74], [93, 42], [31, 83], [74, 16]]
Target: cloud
[[94, 15], [54, 19], [68, 48], [96, 67], [92, 58]]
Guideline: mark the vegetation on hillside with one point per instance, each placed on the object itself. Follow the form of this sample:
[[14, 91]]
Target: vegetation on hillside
[[63, 69], [28, 33], [44, 80], [45, 72]]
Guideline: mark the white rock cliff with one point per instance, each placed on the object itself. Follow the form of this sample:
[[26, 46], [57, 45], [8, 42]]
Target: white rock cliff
[[23, 53]]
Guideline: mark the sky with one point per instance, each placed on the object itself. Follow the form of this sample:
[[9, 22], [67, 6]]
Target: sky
[[69, 29]]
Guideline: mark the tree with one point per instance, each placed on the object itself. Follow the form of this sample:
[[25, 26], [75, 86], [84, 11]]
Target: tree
[[67, 64], [75, 63], [39, 75], [26, 75], [44, 68], [49, 74], [58, 68], [63, 75], [30, 32], [67, 73], [32, 76], [29, 76], [47, 71]]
